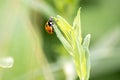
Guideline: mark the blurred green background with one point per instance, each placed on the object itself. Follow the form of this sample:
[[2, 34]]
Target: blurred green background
[[40, 56]]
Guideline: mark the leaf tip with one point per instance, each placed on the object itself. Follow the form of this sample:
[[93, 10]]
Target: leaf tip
[[88, 36]]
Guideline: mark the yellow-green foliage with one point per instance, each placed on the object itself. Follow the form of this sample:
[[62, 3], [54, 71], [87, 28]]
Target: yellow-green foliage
[[71, 38]]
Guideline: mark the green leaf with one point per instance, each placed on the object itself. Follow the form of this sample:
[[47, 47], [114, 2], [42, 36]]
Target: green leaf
[[65, 43], [65, 28], [64, 31], [71, 39], [77, 26], [86, 41], [87, 54]]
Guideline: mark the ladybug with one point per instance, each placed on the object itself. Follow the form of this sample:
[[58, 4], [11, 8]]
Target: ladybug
[[49, 26]]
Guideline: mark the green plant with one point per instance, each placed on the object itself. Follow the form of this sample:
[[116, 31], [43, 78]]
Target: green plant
[[71, 38]]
